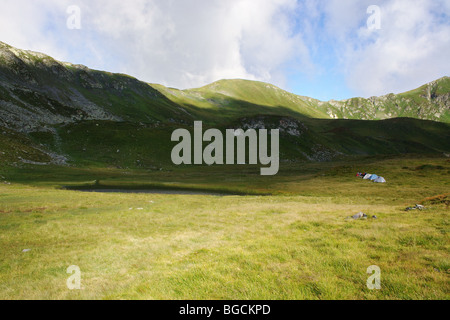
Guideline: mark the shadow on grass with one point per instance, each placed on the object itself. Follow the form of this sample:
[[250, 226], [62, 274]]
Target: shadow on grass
[[162, 189]]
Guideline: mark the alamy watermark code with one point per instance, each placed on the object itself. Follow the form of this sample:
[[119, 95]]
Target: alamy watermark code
[[374, 281], [374, 20], [74, 281], [74, 20]]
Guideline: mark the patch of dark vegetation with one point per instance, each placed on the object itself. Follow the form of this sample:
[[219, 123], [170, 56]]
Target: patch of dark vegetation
[[437, 200], [429, 167], [164, 189], [341, 130]]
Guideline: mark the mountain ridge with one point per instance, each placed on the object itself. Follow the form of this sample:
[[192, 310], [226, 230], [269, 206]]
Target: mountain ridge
[[60, 113], [429, 102]]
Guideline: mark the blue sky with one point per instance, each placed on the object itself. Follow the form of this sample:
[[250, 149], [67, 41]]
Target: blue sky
[[322, 49]]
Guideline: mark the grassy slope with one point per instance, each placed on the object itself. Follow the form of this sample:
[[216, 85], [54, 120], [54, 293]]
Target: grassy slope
[[150, 113], [127, 145], [221, 101], [15, 146], [292, 246], [411, 104], [262, 94], [215, 106], [442, 86]]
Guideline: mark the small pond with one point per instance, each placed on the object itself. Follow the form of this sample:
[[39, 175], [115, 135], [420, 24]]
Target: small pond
[[156, 191]]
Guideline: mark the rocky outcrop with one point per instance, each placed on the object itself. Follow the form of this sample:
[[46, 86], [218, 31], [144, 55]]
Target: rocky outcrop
[[429, 102], [35, 92]]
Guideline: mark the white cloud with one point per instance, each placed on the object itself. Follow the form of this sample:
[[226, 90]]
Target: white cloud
[[189, 43], [411, 48], [24, 24], [181, 43]]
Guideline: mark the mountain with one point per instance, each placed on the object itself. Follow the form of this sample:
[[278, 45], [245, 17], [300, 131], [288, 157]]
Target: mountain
[[58, 112], [430, 102]]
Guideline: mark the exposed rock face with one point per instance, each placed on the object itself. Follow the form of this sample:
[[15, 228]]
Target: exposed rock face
[[34, 92], [295, 132], [429, 102], [40, 97], [287, 126]]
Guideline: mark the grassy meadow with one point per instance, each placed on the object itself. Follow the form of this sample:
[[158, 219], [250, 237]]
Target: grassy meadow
[[288, 239], [65, 128]]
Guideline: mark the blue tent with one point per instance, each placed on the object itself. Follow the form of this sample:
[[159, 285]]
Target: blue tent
[[373, 177]]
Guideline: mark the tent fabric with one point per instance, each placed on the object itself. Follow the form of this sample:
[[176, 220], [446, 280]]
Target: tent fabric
[[372, 177], [380, 180]]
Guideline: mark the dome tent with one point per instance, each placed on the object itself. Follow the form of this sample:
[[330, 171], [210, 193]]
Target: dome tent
[[380, 180]]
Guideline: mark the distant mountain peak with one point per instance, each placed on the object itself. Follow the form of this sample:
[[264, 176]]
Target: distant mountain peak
[[55, 112], [60, 92]]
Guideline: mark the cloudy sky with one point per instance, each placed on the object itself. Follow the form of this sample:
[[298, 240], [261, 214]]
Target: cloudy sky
[[326, 49]]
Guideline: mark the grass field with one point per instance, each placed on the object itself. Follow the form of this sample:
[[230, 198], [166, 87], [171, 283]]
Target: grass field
[[288, 239]]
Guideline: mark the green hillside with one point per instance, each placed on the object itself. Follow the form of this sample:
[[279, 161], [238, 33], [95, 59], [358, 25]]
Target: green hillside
[[61, 113], [86, 179], [430, 102], [262, 94]]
